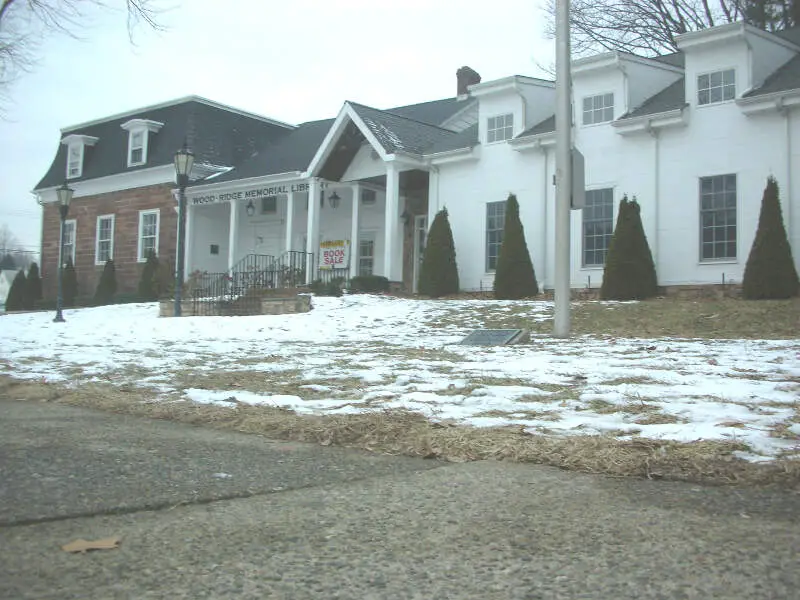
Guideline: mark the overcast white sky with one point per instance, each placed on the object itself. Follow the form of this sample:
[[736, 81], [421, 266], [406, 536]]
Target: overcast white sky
[[294, 61]]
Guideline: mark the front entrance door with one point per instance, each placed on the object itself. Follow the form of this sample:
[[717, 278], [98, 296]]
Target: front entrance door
[[420, 239]]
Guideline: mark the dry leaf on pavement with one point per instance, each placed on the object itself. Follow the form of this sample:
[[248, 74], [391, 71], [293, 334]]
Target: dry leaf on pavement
[[108, 543]]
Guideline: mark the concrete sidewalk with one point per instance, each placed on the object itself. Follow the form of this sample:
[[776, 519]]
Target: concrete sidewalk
[[210, 514]]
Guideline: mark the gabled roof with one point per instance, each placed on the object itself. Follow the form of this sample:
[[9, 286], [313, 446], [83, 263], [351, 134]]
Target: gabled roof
[[676, 59], [401, 134], [546, 126], [785, 78], [217, 135], [670, 98]]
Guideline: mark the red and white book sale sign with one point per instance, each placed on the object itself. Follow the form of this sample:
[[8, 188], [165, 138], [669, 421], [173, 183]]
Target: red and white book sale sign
[[334, 254]]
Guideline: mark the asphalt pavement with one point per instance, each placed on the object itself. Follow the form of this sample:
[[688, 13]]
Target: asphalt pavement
[[211, 514]]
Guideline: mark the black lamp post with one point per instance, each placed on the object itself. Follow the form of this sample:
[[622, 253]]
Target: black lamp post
[[184, 160], [64, 194]]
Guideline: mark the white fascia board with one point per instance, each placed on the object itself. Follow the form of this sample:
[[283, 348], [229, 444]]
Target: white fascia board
[[114, 183], [647, 123], [87, 140], [711, 36], [406, 159], [769, 102], [493, 87], [451, 156], [185, 99], [347, 113], [533, 142], [246, 183]]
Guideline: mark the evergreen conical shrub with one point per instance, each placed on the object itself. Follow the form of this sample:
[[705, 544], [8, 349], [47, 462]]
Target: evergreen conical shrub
[[439, 272], [514, 276], [149, 283], [16, 299], [107, 286], [770, 272], [630, 273], [33, 283], [69, 283]]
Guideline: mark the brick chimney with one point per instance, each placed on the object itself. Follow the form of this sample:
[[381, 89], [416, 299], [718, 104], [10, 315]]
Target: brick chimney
[[466, 77]]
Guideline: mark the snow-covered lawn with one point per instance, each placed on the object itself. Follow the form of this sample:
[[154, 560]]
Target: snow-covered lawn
[[361, 353]]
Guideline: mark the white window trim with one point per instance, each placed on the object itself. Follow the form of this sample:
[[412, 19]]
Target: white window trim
[[140, 243], [613, 108], [80, 147], [145, 139], [513, 125], [726, 260], [74, 223], [487, 270], [97, 260], [697, 87], [614, 211]]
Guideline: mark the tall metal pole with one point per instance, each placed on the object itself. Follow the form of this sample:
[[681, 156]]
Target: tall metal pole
[[59, 318], [180, 244], [563, 170]]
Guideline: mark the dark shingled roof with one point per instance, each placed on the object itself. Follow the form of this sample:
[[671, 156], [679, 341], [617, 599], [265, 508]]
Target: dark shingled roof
[[396, 133], [546, 126], [433, 113], [676, 59], [785, 78], [671, 97], [292, 152], [216, 136], [468, 138]]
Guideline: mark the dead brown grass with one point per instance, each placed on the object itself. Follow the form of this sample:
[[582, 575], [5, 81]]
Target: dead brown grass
[[727, 318], [406, 433]]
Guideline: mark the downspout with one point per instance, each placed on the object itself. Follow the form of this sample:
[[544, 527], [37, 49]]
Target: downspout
[[657, 186], [545, 188], [787, 209]]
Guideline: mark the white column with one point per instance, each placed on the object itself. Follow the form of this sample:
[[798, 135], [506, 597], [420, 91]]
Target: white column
[[188, 240], [312, 228], [391, 261], [233, 234], [289, 221], [354, 227]]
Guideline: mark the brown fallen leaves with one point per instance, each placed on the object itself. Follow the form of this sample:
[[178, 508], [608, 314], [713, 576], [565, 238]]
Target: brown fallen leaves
[[109, 543]]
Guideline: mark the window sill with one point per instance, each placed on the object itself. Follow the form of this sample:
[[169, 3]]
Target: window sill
[[593, 267], [721, 102], [720, 261], [496, 142], [589, 125]]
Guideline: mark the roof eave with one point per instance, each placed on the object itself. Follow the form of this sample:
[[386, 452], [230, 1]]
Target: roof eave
[[451, 156], [766, 102], [676, 117]]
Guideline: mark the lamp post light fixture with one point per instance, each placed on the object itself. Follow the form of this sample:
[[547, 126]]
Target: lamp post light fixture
[[250, 208], [64, 194], [184, 161]]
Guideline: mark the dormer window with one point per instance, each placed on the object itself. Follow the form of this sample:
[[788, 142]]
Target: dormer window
[[500, 128], [76, 152], [598, 109], [75, 160], [718, 86], [136, 149], [139, 131]]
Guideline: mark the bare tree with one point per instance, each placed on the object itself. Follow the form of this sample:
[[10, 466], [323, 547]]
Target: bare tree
[[25, 23], [645, 27]]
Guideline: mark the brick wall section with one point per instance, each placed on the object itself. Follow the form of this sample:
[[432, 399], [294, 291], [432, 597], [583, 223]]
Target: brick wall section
[[125, 205]]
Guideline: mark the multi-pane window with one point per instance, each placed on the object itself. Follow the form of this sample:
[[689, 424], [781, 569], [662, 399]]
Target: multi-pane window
[[598, 109], [269, 205], [368, 197], [68, 241], [104, 248], [148, 233], [718, 217], [136, 156], [716, 87], [75, 160], [366, 255], [598, 226], [500, 128], [495, 223]]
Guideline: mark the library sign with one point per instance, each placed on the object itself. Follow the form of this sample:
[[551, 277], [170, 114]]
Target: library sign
[[334, 254], [253, 193]]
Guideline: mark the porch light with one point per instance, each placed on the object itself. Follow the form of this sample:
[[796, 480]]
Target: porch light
[[334, 200], [184, 161], [250, 208]]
